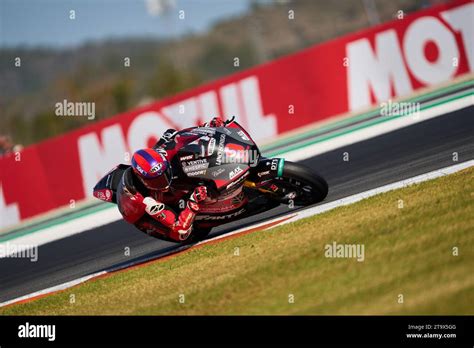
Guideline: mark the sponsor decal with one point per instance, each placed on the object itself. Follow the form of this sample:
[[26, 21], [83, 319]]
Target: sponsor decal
[[157, 168], [195, 162], [204, 131], [196, 173], [238, 181], [211, 146], [243, 136], [220, 149], [233, 153], [99, 194], [274, 187], [104, 194], [140, 169], [274, 164], [220, 217], [235, 172], [260, 174], [217, 172], [198, 165], [186, 158]]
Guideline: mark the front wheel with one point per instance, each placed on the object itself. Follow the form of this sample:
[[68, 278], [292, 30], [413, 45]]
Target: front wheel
[[301, 185]]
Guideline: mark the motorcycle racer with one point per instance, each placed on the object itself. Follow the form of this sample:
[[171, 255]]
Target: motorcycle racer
[[200, 178], [145, 195]]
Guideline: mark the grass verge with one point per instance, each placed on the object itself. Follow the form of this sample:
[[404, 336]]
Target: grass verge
[[410, 238]]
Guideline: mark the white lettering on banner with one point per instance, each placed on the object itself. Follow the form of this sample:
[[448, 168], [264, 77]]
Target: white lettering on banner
[[9, 213], [420, 32], [249, 110], [96, 159], [377, 71], [230, 103], [145, 126], [209, 104], [241, 99], [204, 107], [460, 19], [259, 126], [181, 119], [380, 70]]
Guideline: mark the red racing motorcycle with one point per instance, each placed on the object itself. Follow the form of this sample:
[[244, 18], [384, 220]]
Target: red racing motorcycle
[[240, 181]]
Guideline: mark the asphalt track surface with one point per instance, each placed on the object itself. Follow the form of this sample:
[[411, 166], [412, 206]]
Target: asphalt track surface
[[388, 158]]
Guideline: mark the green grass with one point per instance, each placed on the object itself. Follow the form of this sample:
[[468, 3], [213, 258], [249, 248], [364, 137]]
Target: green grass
[[408, 251]]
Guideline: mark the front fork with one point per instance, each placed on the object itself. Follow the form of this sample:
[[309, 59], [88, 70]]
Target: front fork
[[263, 174]]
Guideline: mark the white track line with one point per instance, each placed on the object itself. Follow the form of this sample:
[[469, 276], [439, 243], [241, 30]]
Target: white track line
[[390, 187], [52, 289], [63, 230], [376, 130], [297, 216]]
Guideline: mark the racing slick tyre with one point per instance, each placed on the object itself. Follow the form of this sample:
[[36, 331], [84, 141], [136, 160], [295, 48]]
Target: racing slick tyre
[[310, 187]]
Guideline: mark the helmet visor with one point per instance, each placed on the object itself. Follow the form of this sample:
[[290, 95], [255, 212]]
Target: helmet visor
[[161, 182]]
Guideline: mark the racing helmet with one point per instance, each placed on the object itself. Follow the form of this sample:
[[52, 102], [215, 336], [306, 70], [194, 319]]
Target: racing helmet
[[152, 169]]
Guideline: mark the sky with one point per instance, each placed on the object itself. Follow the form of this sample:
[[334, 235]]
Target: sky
[[48, 23]]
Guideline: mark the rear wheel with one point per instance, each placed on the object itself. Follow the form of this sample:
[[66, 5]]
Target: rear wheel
[[301, 185]]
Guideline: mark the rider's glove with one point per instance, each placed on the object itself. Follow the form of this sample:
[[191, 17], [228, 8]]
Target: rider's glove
[[169, 135], [215, 122], [199, 195], [165, 138]]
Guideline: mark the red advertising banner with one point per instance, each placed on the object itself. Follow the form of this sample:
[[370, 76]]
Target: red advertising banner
[[347, 74]]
